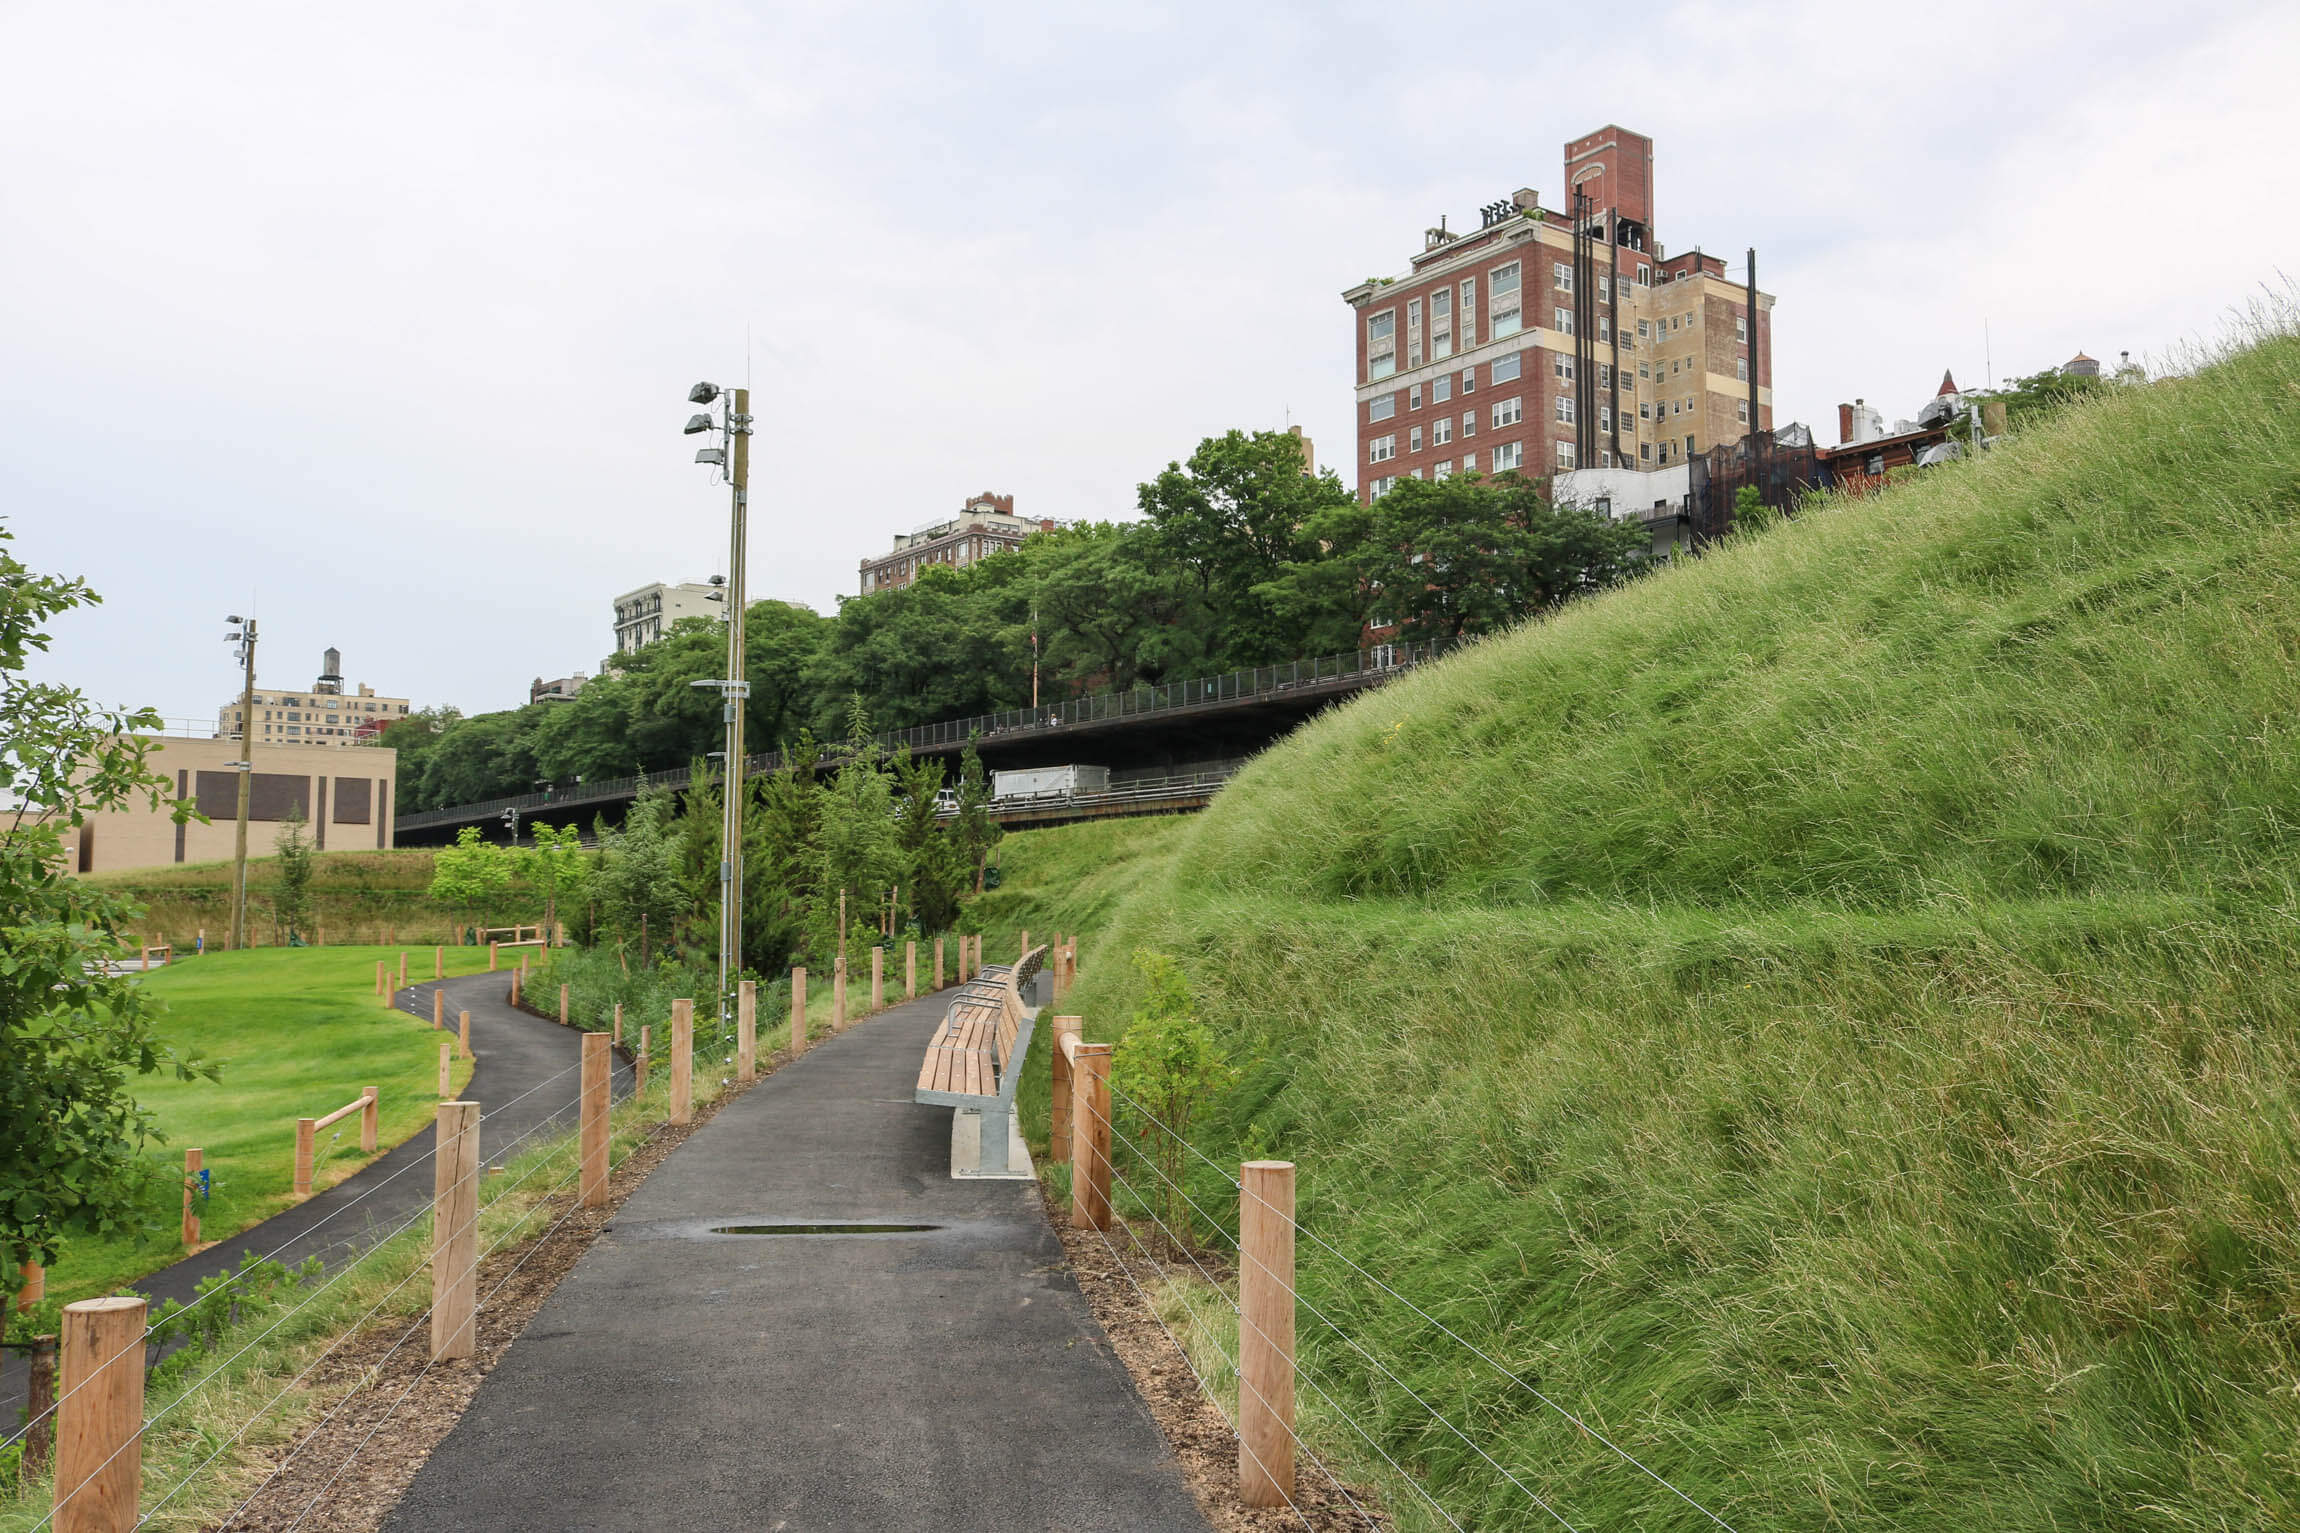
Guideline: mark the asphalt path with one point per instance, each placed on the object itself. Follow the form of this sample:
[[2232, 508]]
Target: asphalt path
[[527, 1080], [948, 1379]]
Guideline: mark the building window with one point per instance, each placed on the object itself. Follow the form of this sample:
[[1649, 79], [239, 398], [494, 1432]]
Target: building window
[[1689, 447], [1468, 379], [1441, 431], [1605, 375], [1561, 276], [1645, 449], [1605, 294], [1561, 364], [1382, 344], [1565, 408], [1564, 324], [1875, 465], [1441, 324], [1441, 389], [1642, 371], [1644, 410], [1604, 327], [1741, 410], [1414, 440], [1504, 303], [1381, 407], [1741, 328], [1506, 368], [1413, 332], [1469, 423], [1507, 456], [1380, 450], [1414, 397], [1605, 417], [1643, 280], [1469, 462], [1508, 412], [1443, 470], [1565, 455], [1381, 487], [1741, 368]]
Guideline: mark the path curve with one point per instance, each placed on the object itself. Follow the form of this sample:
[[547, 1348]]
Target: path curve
[[526, 1079]]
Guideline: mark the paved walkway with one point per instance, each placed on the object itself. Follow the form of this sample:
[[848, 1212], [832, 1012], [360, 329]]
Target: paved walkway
[[951, 1380], [522, 1081]]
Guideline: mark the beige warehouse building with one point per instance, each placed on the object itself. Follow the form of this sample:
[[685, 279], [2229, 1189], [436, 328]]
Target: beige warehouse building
[[343, 795]]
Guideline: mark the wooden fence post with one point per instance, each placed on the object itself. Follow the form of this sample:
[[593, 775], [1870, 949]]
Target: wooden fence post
[[1266, 1333], [747, 1031], [640, 1074], [682, 1061], [910, 970], [878, 979], [562, 1005], [463, 1031], [1090, 1136], [33, 1285], [439, 963], [455, 1230], [403, 969], [938, 963], [438, 1009], [367, 1121], [839, 992], [446, 1069], [379, 976], [100, 1417], [491, 953], [597, 1063], [1058, 1130], [618, 1034], [39, 1405], [305, 1130], [191, 1210], [798, 1012]]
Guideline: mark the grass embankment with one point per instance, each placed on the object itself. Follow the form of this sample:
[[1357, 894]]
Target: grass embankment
[[298, 1032], [357, 897], [1829, 1014]]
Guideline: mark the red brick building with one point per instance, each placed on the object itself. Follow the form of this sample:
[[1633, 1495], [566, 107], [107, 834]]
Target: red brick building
[[987, 525], [1554, 339]]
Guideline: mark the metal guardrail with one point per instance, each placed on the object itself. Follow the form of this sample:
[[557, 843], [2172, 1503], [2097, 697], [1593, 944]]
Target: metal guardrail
[[1324, 673]]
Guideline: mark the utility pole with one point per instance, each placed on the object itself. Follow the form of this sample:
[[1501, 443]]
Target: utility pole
[[245, 638], [1034, 657], [736, 787], [733, 456], [1756, 476]]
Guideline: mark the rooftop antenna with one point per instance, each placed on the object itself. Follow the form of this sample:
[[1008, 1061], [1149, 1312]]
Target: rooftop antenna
[[1988, 360]]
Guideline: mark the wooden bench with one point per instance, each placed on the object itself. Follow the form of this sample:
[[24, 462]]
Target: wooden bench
[[974, 1060]]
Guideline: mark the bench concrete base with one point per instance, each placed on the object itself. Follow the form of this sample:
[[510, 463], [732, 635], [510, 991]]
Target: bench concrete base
[[966, 1149]]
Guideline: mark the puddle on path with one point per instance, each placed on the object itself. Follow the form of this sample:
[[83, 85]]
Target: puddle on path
[[823, 1229]]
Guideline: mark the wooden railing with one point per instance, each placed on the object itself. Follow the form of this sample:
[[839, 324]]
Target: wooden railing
[[307, 1135]]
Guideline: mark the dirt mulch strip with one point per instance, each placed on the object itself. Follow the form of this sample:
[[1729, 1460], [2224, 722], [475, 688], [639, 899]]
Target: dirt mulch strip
[[339, 1477], [1195, 1428]]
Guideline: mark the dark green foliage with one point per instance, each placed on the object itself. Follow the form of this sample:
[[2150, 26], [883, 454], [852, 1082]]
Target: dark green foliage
[[292, 859], [73, 1039]]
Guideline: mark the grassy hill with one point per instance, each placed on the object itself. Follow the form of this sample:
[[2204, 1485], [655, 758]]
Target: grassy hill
[[1828, 1015]]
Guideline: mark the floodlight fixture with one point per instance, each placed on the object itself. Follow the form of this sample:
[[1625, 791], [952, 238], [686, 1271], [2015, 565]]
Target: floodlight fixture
[[702, 393], [699, 423], [234, 618], [716, 455]]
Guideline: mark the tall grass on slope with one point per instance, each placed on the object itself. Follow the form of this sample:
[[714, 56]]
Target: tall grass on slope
[[2066, 667], [1829, 1015]]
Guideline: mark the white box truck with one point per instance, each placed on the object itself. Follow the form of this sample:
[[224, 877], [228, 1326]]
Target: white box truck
[[1059, 782]]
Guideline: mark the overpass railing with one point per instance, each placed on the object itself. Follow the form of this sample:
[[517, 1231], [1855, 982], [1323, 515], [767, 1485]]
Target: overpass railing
[[1367, 666]]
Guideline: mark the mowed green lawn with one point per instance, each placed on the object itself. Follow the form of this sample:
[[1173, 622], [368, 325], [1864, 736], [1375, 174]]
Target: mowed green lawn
[[298, 1032]]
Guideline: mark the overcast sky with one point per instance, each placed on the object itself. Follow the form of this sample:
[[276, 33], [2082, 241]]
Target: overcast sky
[[380, 319]]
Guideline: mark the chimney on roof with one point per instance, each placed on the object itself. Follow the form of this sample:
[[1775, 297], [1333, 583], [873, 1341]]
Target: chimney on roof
[[1844, 424], [1948, 385]]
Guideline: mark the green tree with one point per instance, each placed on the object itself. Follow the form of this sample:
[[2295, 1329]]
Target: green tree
[[637, 880], [73, 1038], [1170, 1064], [978, 834], [470, 876], [555, 866], [934, 871], [291, 878], [1112, 612], [1232, 519], [857, 852], [779, 852]]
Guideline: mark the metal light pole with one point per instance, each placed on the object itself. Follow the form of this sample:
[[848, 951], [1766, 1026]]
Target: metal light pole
[[245, 638], [734, 688]]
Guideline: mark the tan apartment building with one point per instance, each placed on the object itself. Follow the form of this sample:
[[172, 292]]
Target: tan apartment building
[[323, 714], [343, 796], [1552, 340], [987, 525], [645, 615]]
